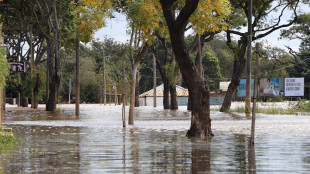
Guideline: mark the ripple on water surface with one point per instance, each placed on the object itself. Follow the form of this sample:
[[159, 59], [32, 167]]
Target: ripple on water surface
[[96, 143]]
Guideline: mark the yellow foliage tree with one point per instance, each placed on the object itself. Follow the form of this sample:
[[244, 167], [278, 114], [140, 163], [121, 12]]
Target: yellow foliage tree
[[147, 15], [91, 16]]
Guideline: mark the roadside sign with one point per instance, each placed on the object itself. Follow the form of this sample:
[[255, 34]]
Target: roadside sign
[[18, 66]]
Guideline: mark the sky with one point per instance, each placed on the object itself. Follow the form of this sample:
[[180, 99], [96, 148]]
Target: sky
[[116, 28]]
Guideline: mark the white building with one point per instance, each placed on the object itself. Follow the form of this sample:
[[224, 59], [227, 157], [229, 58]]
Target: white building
[[147, 98]]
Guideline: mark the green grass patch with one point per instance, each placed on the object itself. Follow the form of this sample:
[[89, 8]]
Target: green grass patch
[[7, 140], [302, 106], [271, 111]]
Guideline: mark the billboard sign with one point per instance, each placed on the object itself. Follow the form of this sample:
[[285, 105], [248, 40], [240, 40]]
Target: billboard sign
[[224, 86], [271, 87], [18, 66], [294, 87], [242, 88]]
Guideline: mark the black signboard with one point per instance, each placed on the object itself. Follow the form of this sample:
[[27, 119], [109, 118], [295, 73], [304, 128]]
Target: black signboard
[[18, 66]]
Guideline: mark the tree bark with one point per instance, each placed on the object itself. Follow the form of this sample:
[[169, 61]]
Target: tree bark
[[200, 120], [1, 111], [173, 97], [163, 74], [239, 64], [154, 81], [54, 74], [36, 90], [173, 91], [137, 89], [77, 74], [166, 85], [50, 29], [135, 64], [132, 94]]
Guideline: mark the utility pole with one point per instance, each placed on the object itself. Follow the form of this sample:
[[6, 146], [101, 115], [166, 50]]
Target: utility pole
[[32, 67], [154, 81], [104, 80], [77, 71], [1, 95], [255, 94], [69, 91], [248, 62]]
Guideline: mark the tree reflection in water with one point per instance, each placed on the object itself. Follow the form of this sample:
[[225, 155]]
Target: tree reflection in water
[[252, 161], [201, 155]]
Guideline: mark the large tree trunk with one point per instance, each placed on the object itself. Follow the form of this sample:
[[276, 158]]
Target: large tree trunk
[[53, 95], [200, 120], [36, 90], [173, 97], [239, 64], [53, 53], [189, 102]]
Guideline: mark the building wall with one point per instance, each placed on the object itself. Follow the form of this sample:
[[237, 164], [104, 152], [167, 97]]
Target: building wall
[[182, 101], [148, 101]]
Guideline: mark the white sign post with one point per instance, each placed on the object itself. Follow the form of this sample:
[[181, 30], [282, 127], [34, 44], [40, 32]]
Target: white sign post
[[294, 87], [224, 86]]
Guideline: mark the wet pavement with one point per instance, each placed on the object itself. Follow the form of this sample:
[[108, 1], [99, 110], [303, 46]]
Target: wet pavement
[[96, 142]]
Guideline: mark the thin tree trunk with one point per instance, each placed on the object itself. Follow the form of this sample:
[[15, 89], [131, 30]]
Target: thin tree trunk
[[132, 94], [154, 81], [47, 91], [173, 91], [135, 65], [163, 74], [239, 64], [77, 68], [1, 110], [137, 89], [248, 62], [36, 90], [104, 79], [179, 77], [255, 94], [166, 85], [4, 98]]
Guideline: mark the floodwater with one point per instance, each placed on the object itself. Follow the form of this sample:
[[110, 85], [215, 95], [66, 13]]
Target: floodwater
[[96, 142]]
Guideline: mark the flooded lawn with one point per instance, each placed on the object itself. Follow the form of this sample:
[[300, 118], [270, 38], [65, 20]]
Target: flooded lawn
[[95, 142]]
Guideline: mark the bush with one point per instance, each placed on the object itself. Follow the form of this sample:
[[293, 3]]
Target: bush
[[7, 140], [302, 106]]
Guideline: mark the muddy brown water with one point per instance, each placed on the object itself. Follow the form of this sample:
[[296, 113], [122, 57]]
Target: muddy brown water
[[95, 142]]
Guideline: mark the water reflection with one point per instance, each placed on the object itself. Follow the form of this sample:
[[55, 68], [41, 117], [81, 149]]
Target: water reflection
[[97, 143], [48, 150], [201, 156], [252, 161]]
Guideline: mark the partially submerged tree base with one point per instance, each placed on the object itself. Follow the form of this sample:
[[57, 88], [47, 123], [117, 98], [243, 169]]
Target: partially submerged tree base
[[193, 132]]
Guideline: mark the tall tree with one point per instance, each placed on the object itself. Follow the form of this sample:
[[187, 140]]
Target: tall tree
[[3, 74], [20, 30], [263, 12], [48, 16], [200, 121]]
